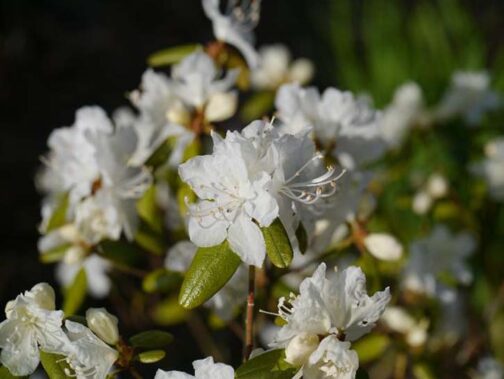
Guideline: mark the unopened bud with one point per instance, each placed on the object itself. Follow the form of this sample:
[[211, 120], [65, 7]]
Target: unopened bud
[[300, 348], [221, 106], [383, 246], [103, 324]]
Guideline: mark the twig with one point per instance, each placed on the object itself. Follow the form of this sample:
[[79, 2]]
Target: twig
[[249, 322]]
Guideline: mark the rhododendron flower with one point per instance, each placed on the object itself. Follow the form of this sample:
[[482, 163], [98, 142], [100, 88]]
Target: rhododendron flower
[[203, 369]]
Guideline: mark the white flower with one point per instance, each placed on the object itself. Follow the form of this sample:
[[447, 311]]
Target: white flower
[[333, 359], [439, 253], [300, 348], [233, 198], [98, 281], [383, 246], [402, 113], [422, 202], [162, 115], [31, 323], [196, 79], [221, 106], [87, 355], [71, 165], [337, 118], [492, 168], [333, 309], [398, 320], [490, 368], [437, 186], [203, 369], [225, 302], [468, 96], [235, 27], [276, 68], [103, 324]]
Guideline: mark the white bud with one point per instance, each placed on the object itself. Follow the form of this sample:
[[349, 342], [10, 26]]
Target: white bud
[[417, 335], [301, 71], [103, 324], [44, 295], [383, 246], [437, 186], [422, 202], [300, 348], [221, 106], [178, 113]]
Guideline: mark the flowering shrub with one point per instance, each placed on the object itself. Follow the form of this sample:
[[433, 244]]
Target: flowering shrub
[[231, 190]]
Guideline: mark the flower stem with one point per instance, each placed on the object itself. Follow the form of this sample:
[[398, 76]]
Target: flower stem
[[249, 321]]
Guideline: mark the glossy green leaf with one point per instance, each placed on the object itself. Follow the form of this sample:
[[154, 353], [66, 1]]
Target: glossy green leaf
[[149, 211], [268, 365], [58, 218], [302, 238], [161, 280], [75, 293], [150, 239], [171, 55], [161, 155], [210, 270], [152, 356], [54, 365], [278, 246], [151, 339]]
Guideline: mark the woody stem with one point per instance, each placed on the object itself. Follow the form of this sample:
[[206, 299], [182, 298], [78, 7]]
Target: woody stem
[[249, 321]]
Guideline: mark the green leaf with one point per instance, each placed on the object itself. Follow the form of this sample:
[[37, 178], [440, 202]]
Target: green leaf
[[151, 240], [54, 365], [58, 218], [371, 347], [75, 293], [361, 374], [161, 280], [169, 312], [152, 356], [171, 55], [278, 246], [5, 374], [149, 211], [210, 270], [151, 339], [302, 238], [268, 365], [257, 105], [121, 252]]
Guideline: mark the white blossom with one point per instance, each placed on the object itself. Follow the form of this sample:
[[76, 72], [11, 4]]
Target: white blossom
[[383, 246], [437, 186], [335, 310], [203, 369], [468, 96], [276, 68], [346, 125], [225, 302], [492, 168], [88, 356], [441, 252], [32, 323], [406, 109], [422, 202], [398, 320], [236, 25]]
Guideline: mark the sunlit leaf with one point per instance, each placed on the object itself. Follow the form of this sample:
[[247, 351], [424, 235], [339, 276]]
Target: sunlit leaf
[[278, 246]]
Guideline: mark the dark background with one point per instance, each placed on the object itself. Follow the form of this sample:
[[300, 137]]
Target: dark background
[[56, 56]]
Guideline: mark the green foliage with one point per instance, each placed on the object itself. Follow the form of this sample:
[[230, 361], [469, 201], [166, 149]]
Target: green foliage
[[171, 55], [268, 365], [169, 312], [54, 365], [210, 270], [75, 294], [151, 356], [54, 255], [149, 211], [150, 239], [161, 280], [5, 374], [278, 246], [257, 105], [371, 347], [151, 339], [302, 237]]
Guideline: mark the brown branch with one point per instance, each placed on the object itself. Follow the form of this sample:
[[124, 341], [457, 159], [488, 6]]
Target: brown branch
[[249, 321]]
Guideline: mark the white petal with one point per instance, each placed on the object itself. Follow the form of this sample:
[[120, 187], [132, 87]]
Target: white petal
[[246, 240]]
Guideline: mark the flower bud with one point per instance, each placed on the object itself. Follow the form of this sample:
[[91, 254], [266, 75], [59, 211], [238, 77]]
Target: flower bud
[[383, 246], [301, 71], [103, 324], [437, 186], [422, 203], [178, 114], [43, 294], [221, 106], [300, 348]]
